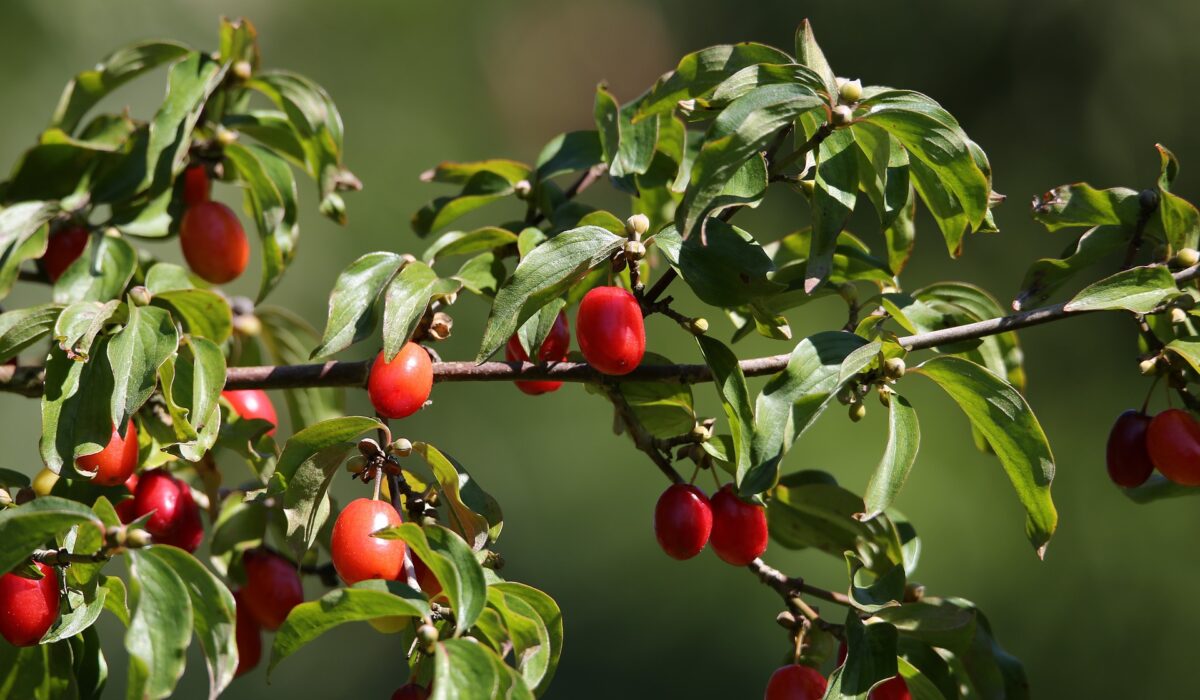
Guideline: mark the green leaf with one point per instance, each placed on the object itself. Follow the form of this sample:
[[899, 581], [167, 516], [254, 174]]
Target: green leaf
[[919, 687], [835, 191], [482, 275], [101, 273], [1081, 204], [574, 150], [934, 622], [315, 438], [212, 612], [701, 72], [39, 672], [809, 54], [1138, 289], [467, 242], [452, 562], [461, 173], [90, 668], [287, 339], [135, 354], [202, 312], [310, 620], [738, 133], [551, 620], [534, 332], [239, 42], [1047, 275], [474, 514], [191, 385], [22, 242], [1159, 488], [483, 188], [545, 273], [664, 409], [190, 82], [758, 75], [76, 410], [870, 659], [352, 312], [116, 600], [731, 270], [1004, 418], [124, 64], [405, 302], [527, 632], [30, 526], [871, 592], [160, 628], [904, 437], [735, 399], [22, 328], [306, 500], [271, 196], [78, 325], [1177, 219], [464, 669]]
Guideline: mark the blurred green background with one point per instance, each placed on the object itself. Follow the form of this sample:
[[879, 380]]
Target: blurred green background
[[1055, 91]]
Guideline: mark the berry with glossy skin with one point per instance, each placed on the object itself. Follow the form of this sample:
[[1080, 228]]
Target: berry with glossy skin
[[400, 388], [430, 586], [554, 349], [739, 529], [214, 243], [27, 607], [1128, 460], [1173, 441], [196, 186], [272, 587], [64, 247], [115, 463], [611, 330], [412, 691], [356, 555], [796, 682], [43, 483], [252, 403], [176, 517], [893, 688], [683, 520], [248, 636]]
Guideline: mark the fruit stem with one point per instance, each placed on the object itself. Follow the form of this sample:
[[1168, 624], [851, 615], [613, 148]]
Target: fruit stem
[[1146, 403]]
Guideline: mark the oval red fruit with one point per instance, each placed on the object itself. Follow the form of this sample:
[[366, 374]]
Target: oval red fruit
[[176, 517], [1173, 441], [412, 691], [252, 403], [116, 462], [796, 682], [611, 331], [64, 247], [196, 186], [893, 688], [1127, 458], [28, 607], [429, 584], [214, 243], [356, 555], [248, 636], [554, 349], [683, 520], [739, 529], [400, 388], [272, 587]]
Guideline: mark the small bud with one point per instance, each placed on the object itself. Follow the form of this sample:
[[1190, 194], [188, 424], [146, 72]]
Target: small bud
[[1148, 366], [845, 395], [1186, 257], [858, 411], [523, 189], [247, 325], [226, 136], [635, 250], [1178, 315], [686, 107], [401, 447], [914, 592], [5, 499], [427, 636], [369, 448], [786, 620], [842, 115], [848, 292], [139, 295], [243, 70], [696, 326], [850, 90], [138, 538], [440, 326], [893, 367], [701, 433], [885, 396], [637, 225]]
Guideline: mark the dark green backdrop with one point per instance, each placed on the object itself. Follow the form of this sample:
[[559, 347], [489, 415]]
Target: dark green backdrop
[[1055, 91]]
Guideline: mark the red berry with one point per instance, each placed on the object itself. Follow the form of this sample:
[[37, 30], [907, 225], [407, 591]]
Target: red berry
[[252, 403], [400, 388], [248, 636], [739, 529], [126, 510], [430, 586], [272, 587], [115, 463], [1129, 462], [176, 517], [412, 691], [683, 520], [213, 242], [611, 331], [65, 246], [1173, 441], [196, 187], [893, 688], [554, 349], [796, 682], [356, 555], [27, 607]]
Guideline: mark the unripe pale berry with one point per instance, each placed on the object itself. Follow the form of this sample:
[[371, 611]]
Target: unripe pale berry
[[252, 403], [272, 587], [893, 367], [554, 349], [796, 682], [842, 115], [28, 607], [739, 529], [683, 521], [43, 482], [357, 556], [850, 90], [1186, 257], [1173, 443], [611, 331], [400, 388], [213, 242], [427, 636], [858, 411]]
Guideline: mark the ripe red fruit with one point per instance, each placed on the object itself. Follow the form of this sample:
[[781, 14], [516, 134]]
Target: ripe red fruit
[[400, 388], [1128, 460], [272, 587], [796, 682], [430, 586], [554, 349], [213, 242], [611, 331], [248, 636], [115, 463], [683, 520], [176, 517], [63, 248], [356, 555], [27, 607], [1173, 441], [196, 186], [252, 403], [739, 529], [412, 691], [893, 688]]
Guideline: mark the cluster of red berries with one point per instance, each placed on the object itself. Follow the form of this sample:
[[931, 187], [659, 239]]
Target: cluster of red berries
[[800, 682], [685, 520], [1170, 442]]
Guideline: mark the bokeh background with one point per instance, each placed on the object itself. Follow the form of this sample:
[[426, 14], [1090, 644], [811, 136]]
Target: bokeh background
[[1054, 90]]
